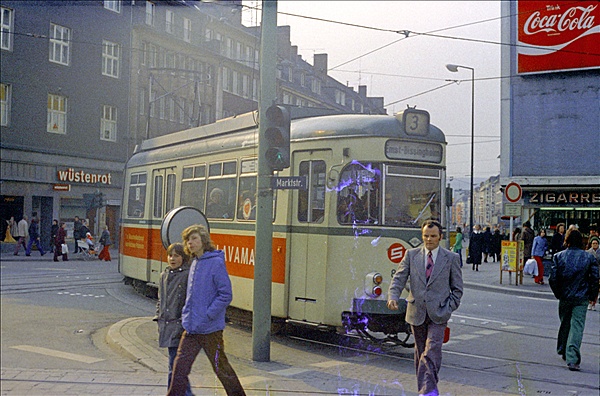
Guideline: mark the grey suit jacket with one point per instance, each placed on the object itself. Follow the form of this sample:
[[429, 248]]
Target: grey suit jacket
[[437, 298]]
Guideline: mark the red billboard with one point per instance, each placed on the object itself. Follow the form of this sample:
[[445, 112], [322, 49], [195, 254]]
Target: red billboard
[[558, 35]]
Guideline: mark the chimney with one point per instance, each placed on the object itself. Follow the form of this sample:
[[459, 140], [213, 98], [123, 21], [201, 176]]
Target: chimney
[[320, 65], [362, 91]]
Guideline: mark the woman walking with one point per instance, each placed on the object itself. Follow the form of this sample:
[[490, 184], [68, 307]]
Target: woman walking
[[105, 242], [540, 245], [59, 241], [457, 248]]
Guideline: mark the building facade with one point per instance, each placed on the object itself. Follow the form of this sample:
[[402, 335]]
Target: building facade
[[551, 110], [84, 82]]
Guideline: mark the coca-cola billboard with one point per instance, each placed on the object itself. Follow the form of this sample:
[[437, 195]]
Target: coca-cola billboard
[[558, 35]]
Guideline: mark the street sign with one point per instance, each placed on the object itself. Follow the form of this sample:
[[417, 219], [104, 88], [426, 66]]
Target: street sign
[[513, 192], [512, 209], [288, 183]]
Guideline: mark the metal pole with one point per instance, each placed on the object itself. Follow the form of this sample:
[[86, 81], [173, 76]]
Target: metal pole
[[261, 311], [472, 143]]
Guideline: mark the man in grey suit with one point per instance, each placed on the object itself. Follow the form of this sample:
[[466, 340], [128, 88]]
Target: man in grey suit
[[436, 288]]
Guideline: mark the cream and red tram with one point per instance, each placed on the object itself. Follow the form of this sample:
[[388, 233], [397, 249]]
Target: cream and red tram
[[371, 182]]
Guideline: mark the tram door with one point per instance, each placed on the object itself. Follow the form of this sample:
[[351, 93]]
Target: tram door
[[163, 200], [308, 258]]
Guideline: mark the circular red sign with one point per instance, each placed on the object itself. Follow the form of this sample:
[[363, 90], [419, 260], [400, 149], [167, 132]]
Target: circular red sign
[[513, 192], [396, 252]]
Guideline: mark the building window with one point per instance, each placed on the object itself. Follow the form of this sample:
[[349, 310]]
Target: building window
[[108, 125], [57, 114], [4, 104], [150, 13], [6, 25], [302, 80], [60, 41], [187, 30], [316, 86], [169, 21], [112, 5], [172, 109], [290, 74], [340, 97], [110, 59]]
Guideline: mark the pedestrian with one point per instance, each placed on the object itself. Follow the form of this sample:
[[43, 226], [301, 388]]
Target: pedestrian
[[557, 244], [77, 233], [53, 233], [574, 282], [23, 235], [171, 298], [538, 251], [487, 243], [527, 236], [594, 249], [475, 247], [203, 316], [34, 236], [59, 241], [105, 241], [457, 248], [436, 288], [496, 244]]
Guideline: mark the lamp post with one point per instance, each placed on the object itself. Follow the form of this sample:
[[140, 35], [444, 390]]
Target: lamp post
[[454, 68]]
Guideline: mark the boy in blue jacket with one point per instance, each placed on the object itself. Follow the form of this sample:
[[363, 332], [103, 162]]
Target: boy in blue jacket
[[203, 317]]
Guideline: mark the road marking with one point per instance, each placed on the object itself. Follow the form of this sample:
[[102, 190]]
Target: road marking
[[465, 337], [329, 363], [480, 319], [252, 379], [512, 327], [289, 372], [55, 353], [535, 298], [487, 332]]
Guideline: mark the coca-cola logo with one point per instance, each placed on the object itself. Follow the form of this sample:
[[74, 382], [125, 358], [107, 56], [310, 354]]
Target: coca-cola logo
[[575, 18], [557, 35]]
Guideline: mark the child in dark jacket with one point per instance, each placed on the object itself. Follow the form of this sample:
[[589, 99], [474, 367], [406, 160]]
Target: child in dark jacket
[[171, 299]]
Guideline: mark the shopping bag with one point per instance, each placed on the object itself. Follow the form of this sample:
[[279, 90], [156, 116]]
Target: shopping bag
[[64, 248]]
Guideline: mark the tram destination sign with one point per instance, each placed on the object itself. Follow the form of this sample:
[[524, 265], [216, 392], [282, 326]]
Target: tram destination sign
[[414, 151], [288, 183]]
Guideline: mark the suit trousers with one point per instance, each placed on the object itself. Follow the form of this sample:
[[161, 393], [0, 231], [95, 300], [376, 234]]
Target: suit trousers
[[189, 347], [429, 338]]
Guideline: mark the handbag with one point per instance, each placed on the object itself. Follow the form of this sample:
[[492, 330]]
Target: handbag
[[64, 248]]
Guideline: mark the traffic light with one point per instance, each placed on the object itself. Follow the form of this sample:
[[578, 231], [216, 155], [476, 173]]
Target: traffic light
[[100, 200], [277, 136]]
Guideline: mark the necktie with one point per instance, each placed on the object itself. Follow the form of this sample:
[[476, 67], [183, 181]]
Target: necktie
[[429, 267]]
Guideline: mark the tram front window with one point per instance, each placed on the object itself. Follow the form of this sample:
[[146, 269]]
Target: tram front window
[[410, 195]]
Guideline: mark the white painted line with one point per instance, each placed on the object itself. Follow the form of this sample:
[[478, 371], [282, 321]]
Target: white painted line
[[512, 327], [487, 332], [289, 372], [479, 319], [465, 337], [535, 298], [253, 379], [59, 354], [329, 363]]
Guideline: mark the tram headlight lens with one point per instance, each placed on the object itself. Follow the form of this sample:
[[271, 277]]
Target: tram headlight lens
[[372, 284]]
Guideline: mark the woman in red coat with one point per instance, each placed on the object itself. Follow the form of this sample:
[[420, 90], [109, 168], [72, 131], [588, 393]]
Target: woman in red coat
[[61, 234], [105, 242]]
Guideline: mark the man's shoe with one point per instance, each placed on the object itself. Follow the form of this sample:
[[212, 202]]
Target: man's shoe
[[28, 255], [573, 367]]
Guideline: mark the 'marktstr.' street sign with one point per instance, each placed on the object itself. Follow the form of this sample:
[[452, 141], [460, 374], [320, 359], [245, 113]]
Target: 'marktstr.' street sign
[[288, 183]]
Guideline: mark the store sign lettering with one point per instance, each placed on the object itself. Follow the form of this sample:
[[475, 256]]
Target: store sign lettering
[[564, 198], [80, 176]]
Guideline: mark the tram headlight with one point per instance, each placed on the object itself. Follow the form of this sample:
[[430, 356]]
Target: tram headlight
[[373, 284]]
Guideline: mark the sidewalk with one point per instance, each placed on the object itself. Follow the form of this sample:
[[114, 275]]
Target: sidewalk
[[292, 370]]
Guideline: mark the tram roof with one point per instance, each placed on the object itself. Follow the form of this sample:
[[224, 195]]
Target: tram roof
[[240, 131]]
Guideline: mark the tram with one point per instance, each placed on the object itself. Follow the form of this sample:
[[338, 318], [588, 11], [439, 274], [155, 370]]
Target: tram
[[372, 180]]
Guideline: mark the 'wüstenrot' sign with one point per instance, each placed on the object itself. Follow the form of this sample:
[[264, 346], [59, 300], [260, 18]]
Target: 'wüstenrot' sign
[[558, 35]]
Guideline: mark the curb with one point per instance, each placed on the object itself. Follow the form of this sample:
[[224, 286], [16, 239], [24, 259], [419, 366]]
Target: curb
[[123, 338]]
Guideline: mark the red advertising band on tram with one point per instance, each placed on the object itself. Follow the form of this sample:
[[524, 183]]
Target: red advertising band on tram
[[558, 35]]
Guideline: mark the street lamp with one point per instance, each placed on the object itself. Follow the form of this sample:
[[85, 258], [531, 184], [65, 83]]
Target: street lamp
[[454, 68]]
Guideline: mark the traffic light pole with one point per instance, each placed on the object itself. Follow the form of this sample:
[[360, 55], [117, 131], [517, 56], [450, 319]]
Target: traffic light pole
[[261, 313]]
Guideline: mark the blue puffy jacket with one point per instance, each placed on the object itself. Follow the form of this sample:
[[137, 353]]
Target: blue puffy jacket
[[574, 276], [208, 294]]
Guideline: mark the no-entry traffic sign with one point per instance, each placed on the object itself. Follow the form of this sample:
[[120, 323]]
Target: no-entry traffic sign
[[513, 192]]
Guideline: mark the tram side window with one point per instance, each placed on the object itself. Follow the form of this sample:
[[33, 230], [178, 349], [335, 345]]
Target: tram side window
[[170, 199], [222, 191], [412, 195], [247, 191], [136, 201], [193, 185], [311, 202], [358, 194], [158, 195]]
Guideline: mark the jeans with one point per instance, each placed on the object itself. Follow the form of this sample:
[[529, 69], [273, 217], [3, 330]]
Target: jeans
[[37, 243], [572, 322], [189, 347], [172, 355]]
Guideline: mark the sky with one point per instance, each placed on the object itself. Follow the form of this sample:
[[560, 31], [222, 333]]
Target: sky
[[408, 67]]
